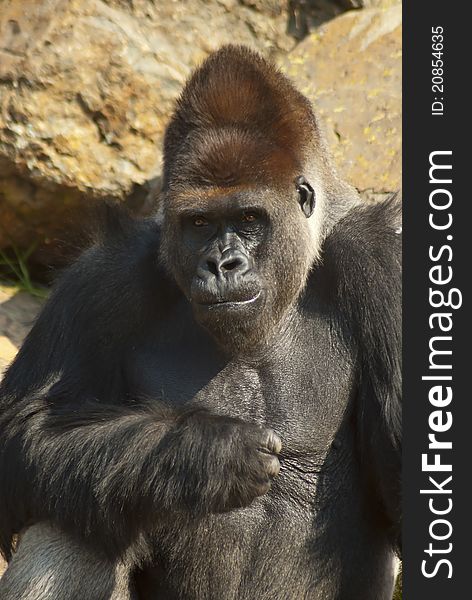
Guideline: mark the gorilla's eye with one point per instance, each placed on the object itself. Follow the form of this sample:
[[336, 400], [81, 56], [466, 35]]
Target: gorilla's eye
[[249, 217], [200, 222]]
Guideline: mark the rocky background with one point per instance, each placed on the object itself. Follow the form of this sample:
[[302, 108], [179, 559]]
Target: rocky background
[[87, 86]]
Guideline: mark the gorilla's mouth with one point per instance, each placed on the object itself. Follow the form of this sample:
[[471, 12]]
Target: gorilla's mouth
[[226, 295], [224, 303]]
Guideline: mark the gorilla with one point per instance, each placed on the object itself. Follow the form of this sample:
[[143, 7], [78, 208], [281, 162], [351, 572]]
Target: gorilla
[[208, 407]]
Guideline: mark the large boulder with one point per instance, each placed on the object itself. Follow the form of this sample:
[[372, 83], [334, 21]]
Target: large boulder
[[306, 15], [351, 69], [368, 3], [86, 87]]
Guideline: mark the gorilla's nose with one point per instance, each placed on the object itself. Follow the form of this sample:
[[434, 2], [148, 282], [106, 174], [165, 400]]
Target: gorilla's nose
[[232, 262]]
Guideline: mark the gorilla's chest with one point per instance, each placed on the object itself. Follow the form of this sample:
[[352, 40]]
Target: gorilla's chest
[[301, 387]]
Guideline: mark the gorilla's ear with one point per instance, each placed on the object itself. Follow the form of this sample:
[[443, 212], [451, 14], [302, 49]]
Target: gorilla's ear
[[307, 196]]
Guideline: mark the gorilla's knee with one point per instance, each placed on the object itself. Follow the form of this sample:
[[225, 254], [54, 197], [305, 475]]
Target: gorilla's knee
[[49, 565]]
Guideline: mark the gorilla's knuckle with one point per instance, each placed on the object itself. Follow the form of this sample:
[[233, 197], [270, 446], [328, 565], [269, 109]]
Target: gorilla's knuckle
[[273, 443], [272, 466]]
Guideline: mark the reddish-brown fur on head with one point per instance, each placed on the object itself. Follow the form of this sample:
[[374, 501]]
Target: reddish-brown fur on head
[[240, 138], [239, 121]]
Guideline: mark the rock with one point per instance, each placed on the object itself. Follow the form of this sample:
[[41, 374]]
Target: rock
[[351, 69], [7, 351], [86, 87], [368, 3], [272, 8], [379, 3], [307, 15], [17, 313]]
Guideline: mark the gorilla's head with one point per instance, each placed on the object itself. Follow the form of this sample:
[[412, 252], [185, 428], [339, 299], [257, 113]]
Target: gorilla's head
[[243, 195]]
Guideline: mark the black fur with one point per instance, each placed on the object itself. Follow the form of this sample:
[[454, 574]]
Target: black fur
[[147, 426], [368, 296]]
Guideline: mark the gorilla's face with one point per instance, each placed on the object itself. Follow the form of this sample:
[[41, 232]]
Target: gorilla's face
[[240, 258]]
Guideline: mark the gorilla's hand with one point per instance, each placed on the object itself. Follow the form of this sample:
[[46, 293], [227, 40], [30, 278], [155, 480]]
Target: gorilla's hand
[[213, 463]]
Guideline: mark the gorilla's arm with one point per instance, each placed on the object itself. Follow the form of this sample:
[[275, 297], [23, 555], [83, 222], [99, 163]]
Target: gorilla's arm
[[363, 259], [76, 450]]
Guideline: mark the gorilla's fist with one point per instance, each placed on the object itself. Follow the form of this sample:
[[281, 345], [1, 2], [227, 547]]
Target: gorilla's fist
[[212, 463]]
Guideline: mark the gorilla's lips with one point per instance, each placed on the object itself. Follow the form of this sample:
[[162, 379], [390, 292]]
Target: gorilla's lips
[[225, 296], [232, 303]]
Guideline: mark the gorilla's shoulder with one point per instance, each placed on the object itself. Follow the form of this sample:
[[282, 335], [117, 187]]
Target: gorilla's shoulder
[[362, 265], [121, 264], [364, 249], [113, 290], [362, 272]]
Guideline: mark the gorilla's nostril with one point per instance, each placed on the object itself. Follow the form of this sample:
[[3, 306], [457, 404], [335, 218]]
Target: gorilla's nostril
[[223, 265], [232, 262], [231, 265], [212, 267]]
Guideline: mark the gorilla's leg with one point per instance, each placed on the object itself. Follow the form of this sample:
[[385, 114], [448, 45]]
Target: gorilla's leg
[[49, 565]]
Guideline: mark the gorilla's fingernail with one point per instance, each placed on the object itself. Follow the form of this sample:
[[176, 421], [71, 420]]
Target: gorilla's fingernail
[[274, 469], [274, 443]]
